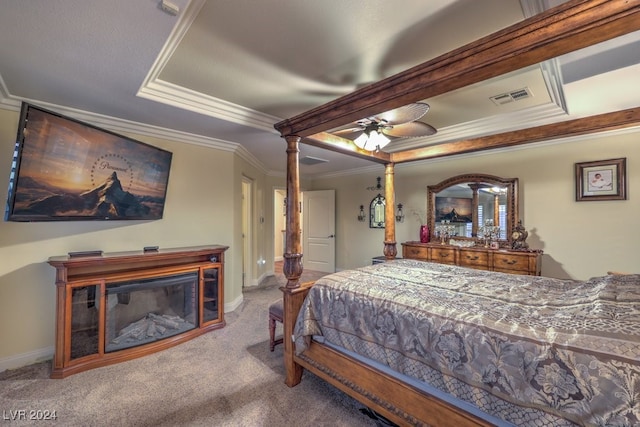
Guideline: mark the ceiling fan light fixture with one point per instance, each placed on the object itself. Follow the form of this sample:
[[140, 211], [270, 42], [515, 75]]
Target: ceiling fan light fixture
[[371, 140], [375, 132], [361, 140], [379, 139]]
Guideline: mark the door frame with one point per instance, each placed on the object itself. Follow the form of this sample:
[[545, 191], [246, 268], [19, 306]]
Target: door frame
[[247, 230]]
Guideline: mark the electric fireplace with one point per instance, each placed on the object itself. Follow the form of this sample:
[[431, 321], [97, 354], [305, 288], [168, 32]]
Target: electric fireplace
[[114, 307], [142, 311]]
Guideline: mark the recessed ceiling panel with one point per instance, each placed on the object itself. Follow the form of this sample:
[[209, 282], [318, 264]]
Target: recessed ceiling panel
[[282, 58]]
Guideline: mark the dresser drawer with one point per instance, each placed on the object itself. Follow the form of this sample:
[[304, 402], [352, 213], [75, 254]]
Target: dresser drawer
[[504, 260], [415, 252], [510, 263], [474, 259], [443, 255]]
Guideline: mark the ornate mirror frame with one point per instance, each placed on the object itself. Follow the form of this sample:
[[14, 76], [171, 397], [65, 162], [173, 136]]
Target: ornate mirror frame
[[476, 180], [376, 212]]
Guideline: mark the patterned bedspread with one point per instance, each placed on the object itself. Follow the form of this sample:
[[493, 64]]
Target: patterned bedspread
[[531, 350]]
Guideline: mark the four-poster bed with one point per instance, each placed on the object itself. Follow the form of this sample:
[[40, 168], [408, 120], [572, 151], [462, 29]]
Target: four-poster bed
[[570, 26]]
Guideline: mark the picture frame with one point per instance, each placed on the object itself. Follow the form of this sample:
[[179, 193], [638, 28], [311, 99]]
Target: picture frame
[[601, 180]]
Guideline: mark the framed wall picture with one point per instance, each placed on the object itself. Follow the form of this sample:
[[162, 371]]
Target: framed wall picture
[[601, 180]]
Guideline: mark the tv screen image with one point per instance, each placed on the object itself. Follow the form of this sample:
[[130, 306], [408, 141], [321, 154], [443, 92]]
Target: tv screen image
[[64, 169], [453, 209]]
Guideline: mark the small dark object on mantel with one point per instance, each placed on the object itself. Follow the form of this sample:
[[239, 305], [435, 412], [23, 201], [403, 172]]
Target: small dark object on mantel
[[150, 248], [82, 254]]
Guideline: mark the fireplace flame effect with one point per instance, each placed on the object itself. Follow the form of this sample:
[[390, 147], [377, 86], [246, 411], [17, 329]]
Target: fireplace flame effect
[[150, 326]]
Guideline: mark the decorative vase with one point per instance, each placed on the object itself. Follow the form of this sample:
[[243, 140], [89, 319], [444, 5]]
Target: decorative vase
[[424, 234]]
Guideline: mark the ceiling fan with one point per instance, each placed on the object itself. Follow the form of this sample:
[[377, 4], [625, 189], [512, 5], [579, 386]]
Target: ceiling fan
[[373, 133]]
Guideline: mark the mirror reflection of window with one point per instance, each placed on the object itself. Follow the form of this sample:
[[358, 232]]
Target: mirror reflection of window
[[379, 214]]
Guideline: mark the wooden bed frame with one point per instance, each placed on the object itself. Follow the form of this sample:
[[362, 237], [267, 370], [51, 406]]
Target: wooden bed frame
[[565, 28]]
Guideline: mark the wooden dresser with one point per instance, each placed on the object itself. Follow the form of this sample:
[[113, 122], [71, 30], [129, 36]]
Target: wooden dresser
[[504, 260]]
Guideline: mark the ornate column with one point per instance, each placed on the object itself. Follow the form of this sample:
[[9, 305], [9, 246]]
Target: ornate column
[[292, 267], [474, 210], [390, 250]]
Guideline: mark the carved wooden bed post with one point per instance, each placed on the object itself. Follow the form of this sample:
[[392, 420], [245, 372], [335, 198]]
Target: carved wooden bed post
[[293, 293], [292, 267], [390, 250], [562, 29]]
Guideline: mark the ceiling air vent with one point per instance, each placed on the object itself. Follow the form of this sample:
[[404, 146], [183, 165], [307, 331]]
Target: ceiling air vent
[[514, 95], [308, 160]]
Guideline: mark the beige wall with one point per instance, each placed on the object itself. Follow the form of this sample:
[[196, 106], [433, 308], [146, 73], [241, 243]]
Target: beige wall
[[579, 239], [200, 209], [260, 224], [204, 203]]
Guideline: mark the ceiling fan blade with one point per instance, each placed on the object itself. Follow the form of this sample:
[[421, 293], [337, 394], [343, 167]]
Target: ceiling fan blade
[[410, 130], [404, 114], [351, 133]]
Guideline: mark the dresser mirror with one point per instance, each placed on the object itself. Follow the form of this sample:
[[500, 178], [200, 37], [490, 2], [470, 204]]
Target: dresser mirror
[[465, 207]]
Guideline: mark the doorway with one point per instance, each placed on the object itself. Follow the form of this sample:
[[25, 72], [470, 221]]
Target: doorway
[[247, 229], [279, 223], [318, 229]]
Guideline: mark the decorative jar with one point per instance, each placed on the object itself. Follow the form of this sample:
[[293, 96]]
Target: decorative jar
[[424, 234]]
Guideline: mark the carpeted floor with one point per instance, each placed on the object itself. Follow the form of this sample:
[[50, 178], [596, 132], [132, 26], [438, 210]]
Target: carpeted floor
[[226, 377]]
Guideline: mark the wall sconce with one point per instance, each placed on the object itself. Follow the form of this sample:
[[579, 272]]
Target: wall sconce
[[399, 213], [378, 187], [361, 215]]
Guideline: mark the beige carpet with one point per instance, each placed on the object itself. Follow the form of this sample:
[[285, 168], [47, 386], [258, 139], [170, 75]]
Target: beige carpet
[[226, 377]]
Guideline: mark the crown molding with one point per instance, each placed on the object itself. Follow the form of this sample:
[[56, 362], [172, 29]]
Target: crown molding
[[187, 99], [534, 116], [9, 102], [6, 100], [158, 90], [174, 39]]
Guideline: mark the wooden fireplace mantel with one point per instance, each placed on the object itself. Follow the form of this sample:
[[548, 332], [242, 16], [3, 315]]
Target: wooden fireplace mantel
[[96, 273]]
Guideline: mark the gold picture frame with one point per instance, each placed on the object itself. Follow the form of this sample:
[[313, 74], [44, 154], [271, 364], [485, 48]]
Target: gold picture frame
[[601, 180]]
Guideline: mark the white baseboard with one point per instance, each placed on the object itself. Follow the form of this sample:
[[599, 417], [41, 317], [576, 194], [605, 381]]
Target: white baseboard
[[26, 359], [233, 304], [256, 282], [37, 356]]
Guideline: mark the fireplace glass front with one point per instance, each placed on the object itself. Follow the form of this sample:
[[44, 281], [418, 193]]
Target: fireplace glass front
[[143, 311]]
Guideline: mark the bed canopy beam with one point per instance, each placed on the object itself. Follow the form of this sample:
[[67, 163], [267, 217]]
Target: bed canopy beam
[[583, 126], [335, 143], [567, 27], [562, 29]]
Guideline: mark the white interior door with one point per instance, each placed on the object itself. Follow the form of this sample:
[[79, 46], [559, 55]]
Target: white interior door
[[246, 231], [318, 230]]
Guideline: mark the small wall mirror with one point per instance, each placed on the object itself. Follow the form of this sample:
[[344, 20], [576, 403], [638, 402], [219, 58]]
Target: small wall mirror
[[466, 203], [376, 212]]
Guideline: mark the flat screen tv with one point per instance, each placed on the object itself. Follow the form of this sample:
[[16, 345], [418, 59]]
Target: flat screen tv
[[66, 170]]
